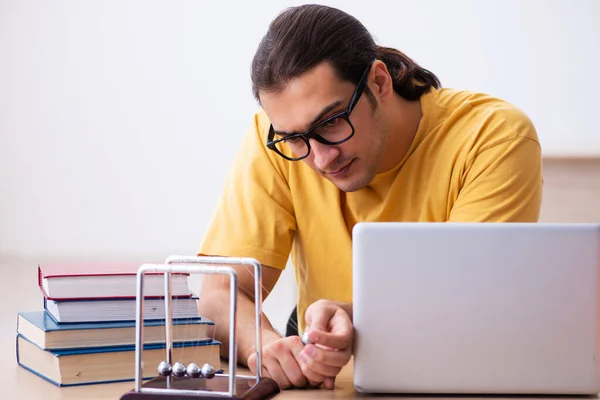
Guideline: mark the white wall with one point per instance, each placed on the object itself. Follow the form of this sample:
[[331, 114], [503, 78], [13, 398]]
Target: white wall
[[119, 119]]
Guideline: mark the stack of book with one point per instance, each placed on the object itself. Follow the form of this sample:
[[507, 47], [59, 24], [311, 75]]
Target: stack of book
[[86, 331]]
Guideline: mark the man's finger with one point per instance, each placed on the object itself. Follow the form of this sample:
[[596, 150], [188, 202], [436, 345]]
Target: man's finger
[[327, 357], [321, 369], [296, 350], [314, 378], [311, 374], [318, 317], [274, 371], [339, 340], [330, 383], [291, 367], [319, 322]]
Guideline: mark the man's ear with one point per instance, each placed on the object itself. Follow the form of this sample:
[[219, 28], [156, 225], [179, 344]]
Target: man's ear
[[380, 81]]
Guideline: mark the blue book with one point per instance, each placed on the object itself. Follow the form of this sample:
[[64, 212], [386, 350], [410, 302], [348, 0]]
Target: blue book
[[92, 365], [41, 329]]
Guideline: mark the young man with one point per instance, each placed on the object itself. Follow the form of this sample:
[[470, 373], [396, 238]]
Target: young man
[[350, 131]]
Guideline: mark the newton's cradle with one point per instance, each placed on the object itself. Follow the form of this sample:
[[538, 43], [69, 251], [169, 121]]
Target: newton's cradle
[[180, 381]]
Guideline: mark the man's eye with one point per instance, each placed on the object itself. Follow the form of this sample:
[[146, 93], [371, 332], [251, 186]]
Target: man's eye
[[331, 122]]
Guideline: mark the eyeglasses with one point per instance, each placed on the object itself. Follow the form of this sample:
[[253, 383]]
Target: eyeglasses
[[334, 130]]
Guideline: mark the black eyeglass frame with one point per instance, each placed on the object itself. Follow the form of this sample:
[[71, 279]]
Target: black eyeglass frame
[[310, 133]]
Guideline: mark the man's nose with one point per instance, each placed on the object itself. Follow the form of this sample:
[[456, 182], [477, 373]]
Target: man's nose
[[324, 154]]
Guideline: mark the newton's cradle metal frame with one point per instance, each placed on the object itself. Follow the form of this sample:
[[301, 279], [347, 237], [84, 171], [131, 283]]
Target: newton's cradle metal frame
[[178, 381]]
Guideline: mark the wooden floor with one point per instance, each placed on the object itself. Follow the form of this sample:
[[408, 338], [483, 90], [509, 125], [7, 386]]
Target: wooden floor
[[571, 190]]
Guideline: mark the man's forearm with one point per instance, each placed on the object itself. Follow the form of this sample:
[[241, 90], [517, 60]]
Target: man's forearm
[[214, 305]]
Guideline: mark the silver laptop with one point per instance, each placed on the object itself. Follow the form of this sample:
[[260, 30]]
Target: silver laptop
[[472, 308]]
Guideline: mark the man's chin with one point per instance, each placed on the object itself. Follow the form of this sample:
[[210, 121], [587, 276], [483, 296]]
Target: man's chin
[[349, 184], [349, 179]]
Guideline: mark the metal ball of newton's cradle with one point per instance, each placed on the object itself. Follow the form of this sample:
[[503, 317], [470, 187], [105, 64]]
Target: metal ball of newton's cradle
[[178, 369], [208, 371], [304, 338], [193, 371], [164, 368]]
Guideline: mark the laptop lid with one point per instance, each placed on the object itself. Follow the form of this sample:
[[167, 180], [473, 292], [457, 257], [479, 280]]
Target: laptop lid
[[476, 308]]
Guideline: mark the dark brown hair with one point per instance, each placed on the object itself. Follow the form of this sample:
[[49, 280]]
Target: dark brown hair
[[302, 37]]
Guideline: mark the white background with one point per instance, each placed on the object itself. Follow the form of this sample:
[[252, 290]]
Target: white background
[[119, 119]]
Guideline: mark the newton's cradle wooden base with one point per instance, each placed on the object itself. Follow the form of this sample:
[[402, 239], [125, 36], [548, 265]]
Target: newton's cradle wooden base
[[246, 388]]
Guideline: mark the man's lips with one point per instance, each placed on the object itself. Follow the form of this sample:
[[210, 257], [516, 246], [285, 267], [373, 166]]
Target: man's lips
[[341, 170]]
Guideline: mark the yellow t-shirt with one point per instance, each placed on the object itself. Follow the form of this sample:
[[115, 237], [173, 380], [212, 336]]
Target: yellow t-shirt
[[474, 158]]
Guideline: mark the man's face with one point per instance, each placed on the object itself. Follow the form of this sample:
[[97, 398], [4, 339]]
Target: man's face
[[350, 165]]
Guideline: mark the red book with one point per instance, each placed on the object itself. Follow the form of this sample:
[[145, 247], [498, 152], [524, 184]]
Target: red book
[[84, 281]]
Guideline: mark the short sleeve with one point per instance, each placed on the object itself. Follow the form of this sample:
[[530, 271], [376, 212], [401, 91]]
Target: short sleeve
[[502, 183], [254, 216]]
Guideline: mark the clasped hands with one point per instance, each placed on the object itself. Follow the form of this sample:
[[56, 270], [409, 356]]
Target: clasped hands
[[292, 364]]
